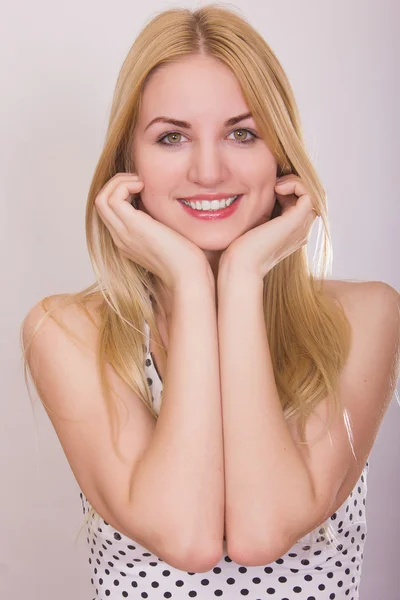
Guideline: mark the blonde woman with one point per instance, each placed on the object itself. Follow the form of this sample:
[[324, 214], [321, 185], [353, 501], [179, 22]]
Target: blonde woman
[[217, 401]]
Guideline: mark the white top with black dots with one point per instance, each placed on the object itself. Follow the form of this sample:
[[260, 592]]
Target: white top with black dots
[[122, 568]]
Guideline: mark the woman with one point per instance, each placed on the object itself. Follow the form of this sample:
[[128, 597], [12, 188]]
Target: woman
[[249, 477]]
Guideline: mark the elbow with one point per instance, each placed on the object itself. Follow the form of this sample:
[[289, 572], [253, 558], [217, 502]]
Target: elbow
[[202, 550], [257, 554], [197, 560], [196, 554]]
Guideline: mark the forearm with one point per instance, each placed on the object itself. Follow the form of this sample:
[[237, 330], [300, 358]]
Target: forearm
[[180, 481], [266, 477]]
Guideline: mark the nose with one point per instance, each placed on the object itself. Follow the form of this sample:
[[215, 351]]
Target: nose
[[207, 165]]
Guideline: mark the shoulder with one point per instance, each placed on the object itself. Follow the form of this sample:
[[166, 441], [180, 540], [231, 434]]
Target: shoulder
[[54, 314], [373, 311], [363, 299]]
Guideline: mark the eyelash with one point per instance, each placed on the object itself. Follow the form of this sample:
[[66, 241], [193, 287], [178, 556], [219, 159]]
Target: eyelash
[[249, 141]]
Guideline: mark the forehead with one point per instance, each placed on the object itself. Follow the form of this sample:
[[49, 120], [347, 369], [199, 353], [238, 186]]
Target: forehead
[[192, 88]]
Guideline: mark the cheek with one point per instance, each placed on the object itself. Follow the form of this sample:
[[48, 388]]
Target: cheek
[[150, 192], [258, 175], [150, 163], [158, 172], [262, 169]]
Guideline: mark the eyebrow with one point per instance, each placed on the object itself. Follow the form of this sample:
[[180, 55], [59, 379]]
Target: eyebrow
[[186, 125]]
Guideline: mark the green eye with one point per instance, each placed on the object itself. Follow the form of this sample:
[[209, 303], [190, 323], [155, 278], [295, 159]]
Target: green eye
[[167, 135], [175, 133], [239, 139]]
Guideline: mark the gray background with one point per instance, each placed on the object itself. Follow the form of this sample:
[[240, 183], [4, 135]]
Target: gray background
[[59, 63]]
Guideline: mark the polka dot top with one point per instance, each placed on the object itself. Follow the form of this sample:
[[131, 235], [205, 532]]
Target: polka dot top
[[122, 568]]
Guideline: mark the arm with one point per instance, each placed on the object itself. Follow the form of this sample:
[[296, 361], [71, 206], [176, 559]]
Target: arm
[[179, 483], [276, 492], [266, 477], [167, 492]]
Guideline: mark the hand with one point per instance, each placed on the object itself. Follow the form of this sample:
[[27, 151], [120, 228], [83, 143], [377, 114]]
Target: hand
[[261, 248], [141, 238]]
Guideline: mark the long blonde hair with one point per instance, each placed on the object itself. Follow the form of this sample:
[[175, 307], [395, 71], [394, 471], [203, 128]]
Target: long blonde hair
[[308, 332]]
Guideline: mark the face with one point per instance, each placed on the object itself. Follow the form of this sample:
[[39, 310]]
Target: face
[[207, 157]]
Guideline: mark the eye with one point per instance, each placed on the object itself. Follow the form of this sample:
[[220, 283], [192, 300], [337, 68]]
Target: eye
[[241, 139], [166, 135]]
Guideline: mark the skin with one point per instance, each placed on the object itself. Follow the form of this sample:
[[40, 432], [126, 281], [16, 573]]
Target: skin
[[210, 158]]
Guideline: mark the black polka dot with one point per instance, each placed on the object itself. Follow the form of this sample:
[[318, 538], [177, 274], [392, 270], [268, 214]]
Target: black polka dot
[[218, 569]]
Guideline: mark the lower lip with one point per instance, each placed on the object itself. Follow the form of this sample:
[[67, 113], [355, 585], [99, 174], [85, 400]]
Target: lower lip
[[222, 213]]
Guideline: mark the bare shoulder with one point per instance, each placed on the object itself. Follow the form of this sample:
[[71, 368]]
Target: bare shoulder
[[359, 298], [81, 320], [373, 311]]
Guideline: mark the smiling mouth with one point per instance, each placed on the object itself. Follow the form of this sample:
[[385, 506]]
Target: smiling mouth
[[210, 205]]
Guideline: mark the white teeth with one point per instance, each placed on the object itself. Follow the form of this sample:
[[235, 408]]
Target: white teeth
[[213, 205]]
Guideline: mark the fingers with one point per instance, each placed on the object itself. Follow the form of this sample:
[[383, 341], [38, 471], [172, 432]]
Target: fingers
[[291, 190], [111, 202], [291, 186], [117, 201]]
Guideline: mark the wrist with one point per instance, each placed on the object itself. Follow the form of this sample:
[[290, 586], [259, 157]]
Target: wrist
[[199, 278], [231, 271]]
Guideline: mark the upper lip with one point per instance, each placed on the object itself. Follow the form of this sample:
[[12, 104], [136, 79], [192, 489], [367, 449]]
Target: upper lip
[[209, 196]]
